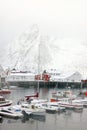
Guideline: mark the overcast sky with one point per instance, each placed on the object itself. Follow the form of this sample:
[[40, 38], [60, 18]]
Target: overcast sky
[[61, 18]]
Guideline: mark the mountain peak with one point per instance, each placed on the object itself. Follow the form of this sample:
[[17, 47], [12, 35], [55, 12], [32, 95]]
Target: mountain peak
[[61, 54]]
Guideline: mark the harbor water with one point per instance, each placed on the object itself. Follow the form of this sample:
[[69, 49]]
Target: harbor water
[[69, 120]]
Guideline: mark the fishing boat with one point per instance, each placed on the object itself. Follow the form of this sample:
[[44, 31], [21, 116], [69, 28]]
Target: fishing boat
[[81, 101], [64, 94], [4, 102], [69, 104]]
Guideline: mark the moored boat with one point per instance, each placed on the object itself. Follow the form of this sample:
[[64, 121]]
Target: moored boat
[[67, 103], [5, 91], [11, 112], [31, 109], [81, 101], [51, 109], [64, 94], [35, 95], [4, 102]]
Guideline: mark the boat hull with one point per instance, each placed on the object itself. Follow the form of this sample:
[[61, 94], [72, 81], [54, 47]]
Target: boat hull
[[6, 104]]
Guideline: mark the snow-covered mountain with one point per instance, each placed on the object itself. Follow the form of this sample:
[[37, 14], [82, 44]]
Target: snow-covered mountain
[[32, 49]]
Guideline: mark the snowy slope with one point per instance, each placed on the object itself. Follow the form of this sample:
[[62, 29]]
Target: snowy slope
[[62, 54]]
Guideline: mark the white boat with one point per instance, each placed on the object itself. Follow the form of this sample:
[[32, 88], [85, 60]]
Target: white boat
[[67, 103], [12, 112], [35, 101], [31, 109], [81, 101], [4, 102], [54, 109], [64, 94], [8, 113], [51, 107]]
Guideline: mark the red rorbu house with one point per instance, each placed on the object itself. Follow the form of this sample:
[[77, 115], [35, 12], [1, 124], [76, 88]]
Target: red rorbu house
[[38, 77], [84, 84], [44, 76]]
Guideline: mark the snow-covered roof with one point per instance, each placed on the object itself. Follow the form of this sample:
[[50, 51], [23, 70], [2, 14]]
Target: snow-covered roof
[[74, 76]]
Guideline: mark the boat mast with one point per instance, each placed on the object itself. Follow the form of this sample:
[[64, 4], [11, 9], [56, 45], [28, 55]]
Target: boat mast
[[38, 65], [0, 81]]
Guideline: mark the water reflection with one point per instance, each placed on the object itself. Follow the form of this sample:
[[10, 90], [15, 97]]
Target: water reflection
[[1, 119], [34, 117], [39, 118]]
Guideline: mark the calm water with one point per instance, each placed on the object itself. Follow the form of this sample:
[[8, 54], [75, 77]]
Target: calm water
[[68, 120]]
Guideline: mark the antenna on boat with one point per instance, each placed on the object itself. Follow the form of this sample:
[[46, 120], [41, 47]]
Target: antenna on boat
[[81, 85]]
